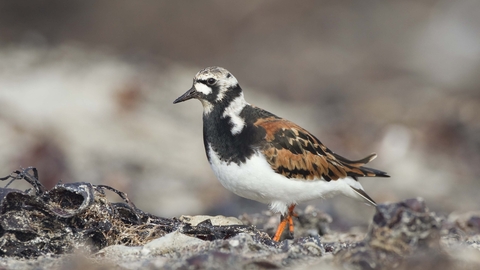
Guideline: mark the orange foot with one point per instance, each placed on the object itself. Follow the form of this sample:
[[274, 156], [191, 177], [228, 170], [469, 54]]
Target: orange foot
[[283, 223]]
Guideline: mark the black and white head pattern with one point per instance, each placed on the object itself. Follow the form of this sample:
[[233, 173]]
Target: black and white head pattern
[[218, 88]]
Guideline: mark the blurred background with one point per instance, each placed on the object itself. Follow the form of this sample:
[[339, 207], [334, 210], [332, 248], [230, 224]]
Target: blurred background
[[86, 91]]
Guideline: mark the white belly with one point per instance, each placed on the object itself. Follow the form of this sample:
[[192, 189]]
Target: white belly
[[256, 180]]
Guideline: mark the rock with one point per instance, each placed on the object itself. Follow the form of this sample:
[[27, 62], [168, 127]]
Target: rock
[[398, 230], [215, 220], [172, 242], [468, 222]]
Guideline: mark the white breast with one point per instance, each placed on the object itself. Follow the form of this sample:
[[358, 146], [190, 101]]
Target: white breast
[[256, 180]]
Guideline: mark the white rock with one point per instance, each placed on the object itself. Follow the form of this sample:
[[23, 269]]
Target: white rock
[[216, 220], [173, 241]]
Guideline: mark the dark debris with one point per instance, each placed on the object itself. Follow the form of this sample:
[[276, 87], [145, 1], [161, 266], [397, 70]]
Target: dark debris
[[38, 222]]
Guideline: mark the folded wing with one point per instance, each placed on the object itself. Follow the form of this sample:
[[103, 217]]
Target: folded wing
[[295, 153]]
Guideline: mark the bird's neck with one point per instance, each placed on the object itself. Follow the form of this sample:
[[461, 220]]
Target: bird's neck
[[223, 126]]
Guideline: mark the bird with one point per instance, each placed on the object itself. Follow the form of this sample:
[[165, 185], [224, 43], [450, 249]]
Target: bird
[[263, 157]]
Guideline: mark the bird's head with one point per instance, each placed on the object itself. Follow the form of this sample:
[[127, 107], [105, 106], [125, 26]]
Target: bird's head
[[213, 86]]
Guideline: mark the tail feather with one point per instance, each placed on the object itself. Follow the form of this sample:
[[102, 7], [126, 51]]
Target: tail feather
[[356, 168], [359, 162], [373, 172], [364, 195]]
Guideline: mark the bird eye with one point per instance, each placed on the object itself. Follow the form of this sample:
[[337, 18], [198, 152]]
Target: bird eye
[[211, 81]]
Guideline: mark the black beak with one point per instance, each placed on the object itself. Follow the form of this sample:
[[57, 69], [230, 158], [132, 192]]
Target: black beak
[[192, 93]]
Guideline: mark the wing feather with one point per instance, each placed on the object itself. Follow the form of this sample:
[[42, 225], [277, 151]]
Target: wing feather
[[295, 153]]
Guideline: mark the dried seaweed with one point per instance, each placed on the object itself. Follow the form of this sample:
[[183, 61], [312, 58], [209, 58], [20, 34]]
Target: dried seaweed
[[38, 222]]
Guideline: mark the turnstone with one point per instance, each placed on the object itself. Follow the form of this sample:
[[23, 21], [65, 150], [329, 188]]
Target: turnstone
[[262, 157]]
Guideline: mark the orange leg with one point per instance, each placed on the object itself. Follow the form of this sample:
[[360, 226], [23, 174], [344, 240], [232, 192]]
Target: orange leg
[[285, 219], [280, 229]]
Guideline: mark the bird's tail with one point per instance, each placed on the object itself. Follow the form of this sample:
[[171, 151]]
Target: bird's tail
[[358, 170]]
